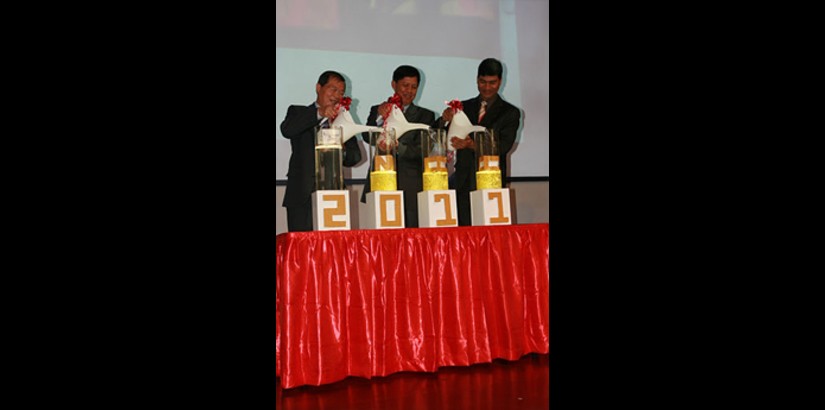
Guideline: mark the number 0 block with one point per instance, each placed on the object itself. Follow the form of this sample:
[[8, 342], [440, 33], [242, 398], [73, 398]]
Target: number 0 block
[[490, 206], [385, 210], [330, 210], [437, 209]]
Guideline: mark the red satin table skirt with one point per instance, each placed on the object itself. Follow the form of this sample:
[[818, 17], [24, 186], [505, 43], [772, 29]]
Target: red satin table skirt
[[374, 302]]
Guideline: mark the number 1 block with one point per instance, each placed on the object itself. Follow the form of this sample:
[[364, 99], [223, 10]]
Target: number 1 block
[[330, 210], [437, 208], [490, 207]]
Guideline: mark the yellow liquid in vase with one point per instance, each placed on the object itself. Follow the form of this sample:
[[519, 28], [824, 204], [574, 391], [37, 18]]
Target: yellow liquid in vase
[[383, 181], [488, 179], [435, 181]]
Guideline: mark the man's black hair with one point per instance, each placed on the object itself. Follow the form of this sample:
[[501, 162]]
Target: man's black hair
[[490, 66], [324, 78], [406, 71]]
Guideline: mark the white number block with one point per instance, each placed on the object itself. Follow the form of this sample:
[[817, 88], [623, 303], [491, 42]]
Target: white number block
[[437, 209], [385, 210], [330, 210], [490, 207]]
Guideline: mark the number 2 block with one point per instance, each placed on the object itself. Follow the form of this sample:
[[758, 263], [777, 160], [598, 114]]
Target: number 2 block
[[330, 210]]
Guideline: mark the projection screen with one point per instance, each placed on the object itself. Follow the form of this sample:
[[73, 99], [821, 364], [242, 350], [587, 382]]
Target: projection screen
[[365, 40]]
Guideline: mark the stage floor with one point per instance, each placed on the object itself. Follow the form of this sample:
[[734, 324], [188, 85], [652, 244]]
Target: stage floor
[[522, 384]]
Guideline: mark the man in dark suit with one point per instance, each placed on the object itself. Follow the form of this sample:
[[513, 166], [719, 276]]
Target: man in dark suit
[[299, 127], [498, 115], [409, 163]]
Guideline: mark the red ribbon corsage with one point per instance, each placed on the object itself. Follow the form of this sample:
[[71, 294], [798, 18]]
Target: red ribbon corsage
[[456, 105], [345, 102], [396, 100]]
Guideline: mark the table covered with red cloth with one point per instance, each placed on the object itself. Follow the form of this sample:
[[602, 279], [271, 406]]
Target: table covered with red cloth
[[374, 302]]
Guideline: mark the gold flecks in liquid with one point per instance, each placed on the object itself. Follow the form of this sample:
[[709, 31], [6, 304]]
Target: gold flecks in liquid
[[383, 181], [435, 181], [488, 180]]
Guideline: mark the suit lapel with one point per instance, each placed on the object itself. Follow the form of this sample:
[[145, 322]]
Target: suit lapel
[[312, 107], [471, 110], [412, 113]]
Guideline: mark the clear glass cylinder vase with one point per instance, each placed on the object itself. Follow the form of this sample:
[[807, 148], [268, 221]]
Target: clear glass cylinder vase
[[329, 164], [488, 175], [434, 155], [383, 147]]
